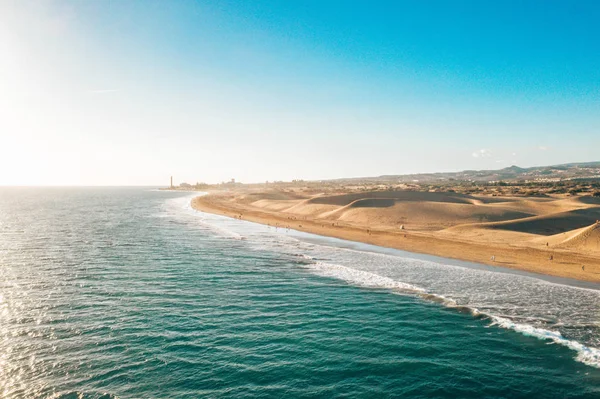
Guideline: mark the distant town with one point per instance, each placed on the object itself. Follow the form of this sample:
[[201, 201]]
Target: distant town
[[572, 179]]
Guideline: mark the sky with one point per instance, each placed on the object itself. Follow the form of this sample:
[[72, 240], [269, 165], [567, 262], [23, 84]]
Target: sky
[[133, 92]]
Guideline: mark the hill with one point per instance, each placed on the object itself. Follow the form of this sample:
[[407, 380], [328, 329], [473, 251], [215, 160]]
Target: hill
[[569, 171]]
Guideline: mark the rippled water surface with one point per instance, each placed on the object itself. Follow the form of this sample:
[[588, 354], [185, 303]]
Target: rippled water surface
[[128, 293]]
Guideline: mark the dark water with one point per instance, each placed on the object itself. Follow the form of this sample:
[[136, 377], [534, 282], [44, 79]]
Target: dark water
[[128, 293]]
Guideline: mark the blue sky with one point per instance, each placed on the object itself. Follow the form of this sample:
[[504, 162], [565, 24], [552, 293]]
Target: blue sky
[[126, 93]]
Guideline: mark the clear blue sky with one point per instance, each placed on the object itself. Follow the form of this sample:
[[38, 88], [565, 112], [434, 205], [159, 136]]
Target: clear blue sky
[[110, 92]]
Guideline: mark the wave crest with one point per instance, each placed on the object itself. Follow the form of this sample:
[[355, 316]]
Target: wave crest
[[361, 278], [585, 354]]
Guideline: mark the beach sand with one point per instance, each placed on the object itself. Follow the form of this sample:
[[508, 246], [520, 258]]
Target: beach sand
[[554, 235]]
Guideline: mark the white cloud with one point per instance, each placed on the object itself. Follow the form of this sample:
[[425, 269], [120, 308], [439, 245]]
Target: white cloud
[[483, 153], [542, 148]]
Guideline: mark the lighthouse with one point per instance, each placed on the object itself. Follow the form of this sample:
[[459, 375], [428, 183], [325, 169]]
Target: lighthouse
[[171, 181]]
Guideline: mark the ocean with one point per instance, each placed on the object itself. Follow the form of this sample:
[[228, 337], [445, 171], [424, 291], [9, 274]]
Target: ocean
[[130, 293]]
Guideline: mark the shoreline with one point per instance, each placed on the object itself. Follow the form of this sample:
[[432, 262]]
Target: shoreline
[[565, 264], [364, 247]]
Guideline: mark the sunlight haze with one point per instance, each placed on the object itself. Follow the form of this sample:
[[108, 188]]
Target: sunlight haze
[[130, 93]]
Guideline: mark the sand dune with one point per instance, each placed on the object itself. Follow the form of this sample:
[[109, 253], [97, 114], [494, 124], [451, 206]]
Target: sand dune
[[545, 225], [427, 211], [399, 196], [448, 223], [542, 206], [418, 211], [586, 239], [421, 216]]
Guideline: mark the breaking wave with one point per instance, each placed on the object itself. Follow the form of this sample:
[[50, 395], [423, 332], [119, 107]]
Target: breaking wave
[[587, 355], [360, 278]]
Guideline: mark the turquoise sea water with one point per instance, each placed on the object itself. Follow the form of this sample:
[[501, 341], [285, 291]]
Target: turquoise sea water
[[128, 293]]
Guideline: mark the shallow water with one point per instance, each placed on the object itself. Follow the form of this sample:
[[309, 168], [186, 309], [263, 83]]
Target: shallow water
[[130, 293]]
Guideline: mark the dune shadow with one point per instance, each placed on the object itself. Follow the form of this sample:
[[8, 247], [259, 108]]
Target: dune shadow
[[552, 224], [373, 203], [590, 200], [416, 196]]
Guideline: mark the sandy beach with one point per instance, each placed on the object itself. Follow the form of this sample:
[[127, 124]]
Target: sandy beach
[[554, 236]]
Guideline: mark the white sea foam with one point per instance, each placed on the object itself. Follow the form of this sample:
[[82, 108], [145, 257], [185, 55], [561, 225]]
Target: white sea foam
[[585, 354], [359, 277]]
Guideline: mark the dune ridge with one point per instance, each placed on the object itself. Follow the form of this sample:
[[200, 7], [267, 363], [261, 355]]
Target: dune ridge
[[586, 239]]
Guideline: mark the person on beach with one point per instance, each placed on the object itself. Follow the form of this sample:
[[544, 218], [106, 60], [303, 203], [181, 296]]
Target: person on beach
[[493, 258]]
